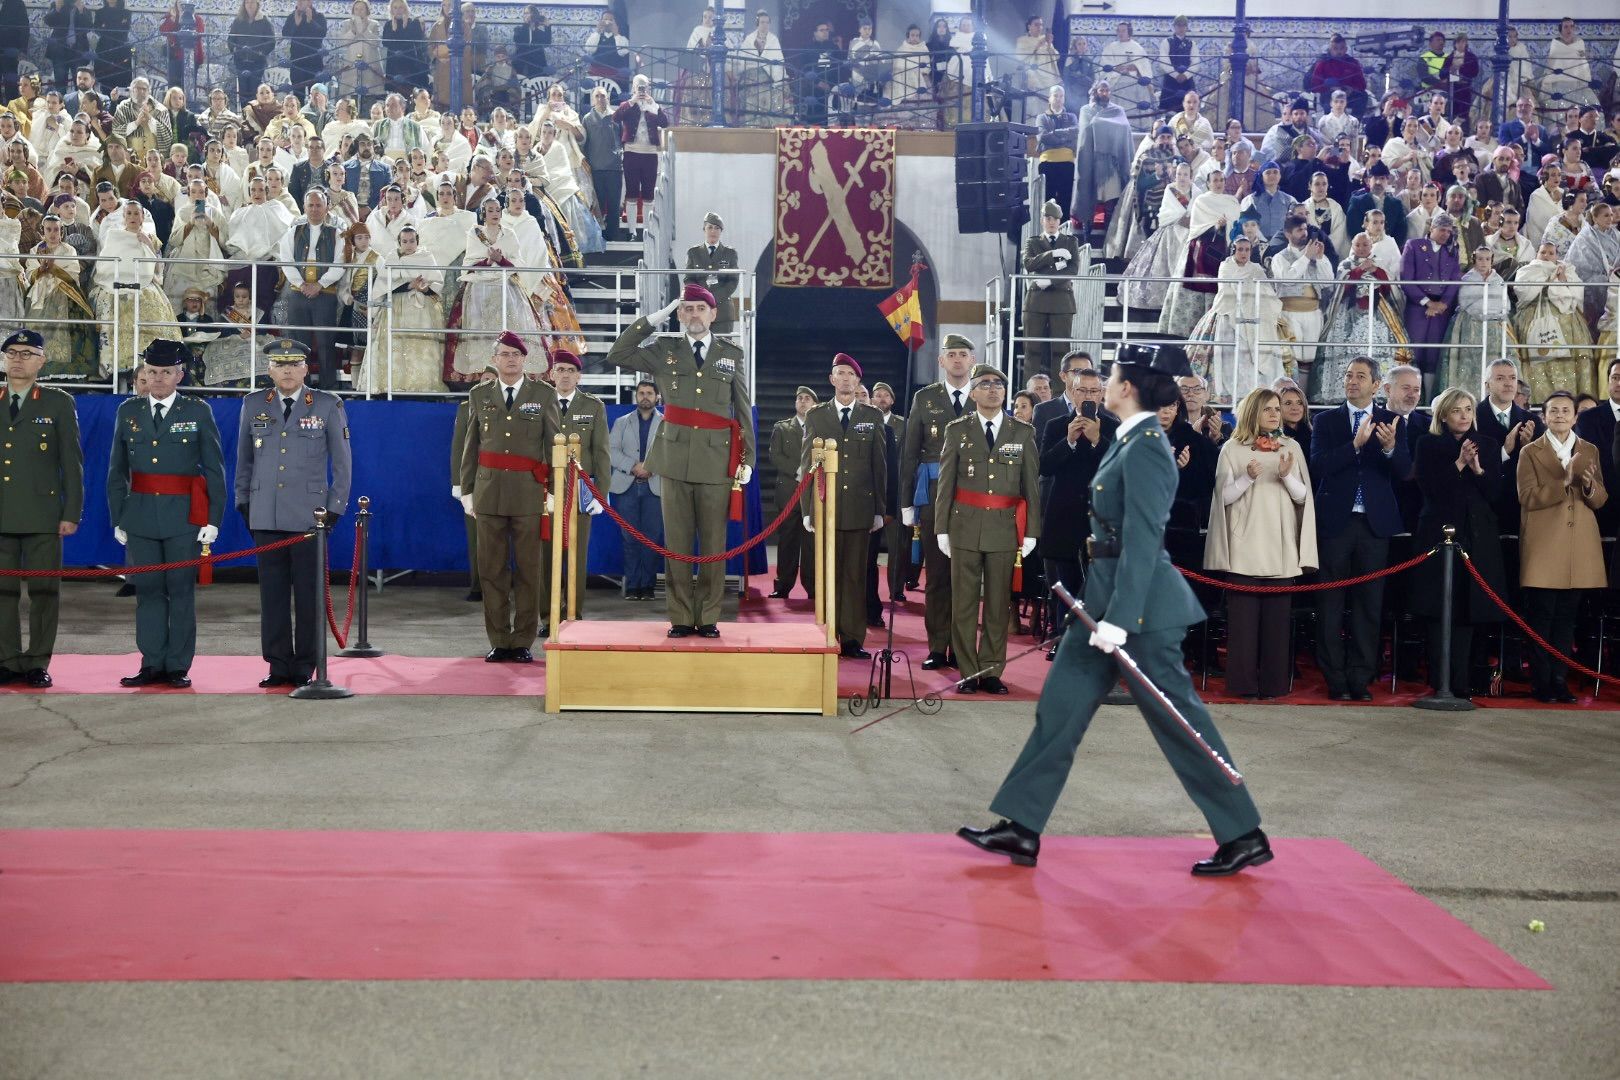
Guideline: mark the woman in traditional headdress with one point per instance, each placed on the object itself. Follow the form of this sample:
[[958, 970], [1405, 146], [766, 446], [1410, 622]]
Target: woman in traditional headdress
[[1211, 217], [51, 276], [128, 290], [491, 298], [1595, 255], [1547, 318], [1361, 321], [1482, 330], [1161, 256], [1246, 310], [230, 359]]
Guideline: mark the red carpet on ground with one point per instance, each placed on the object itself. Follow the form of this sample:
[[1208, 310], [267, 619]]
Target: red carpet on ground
[[112, 905]]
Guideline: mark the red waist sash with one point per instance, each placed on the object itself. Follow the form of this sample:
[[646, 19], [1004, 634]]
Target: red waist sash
[[195, 487]]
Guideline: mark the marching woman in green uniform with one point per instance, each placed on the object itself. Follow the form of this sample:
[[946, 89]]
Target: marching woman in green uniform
[[165, 498], [1140, 601]]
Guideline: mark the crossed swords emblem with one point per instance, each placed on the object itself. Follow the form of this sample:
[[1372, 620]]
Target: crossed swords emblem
[[824, 182]]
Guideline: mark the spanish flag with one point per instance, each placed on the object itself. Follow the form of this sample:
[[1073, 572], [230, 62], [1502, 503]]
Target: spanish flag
[[905, 313]]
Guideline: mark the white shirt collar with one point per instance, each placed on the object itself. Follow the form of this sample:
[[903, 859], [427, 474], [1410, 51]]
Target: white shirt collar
[[994, 422], [839, 405], [1614, 407], [1498, 410], [1353, 409], [949, 389], [154, 402], [505, 386], [706, 340], [1128, 425]]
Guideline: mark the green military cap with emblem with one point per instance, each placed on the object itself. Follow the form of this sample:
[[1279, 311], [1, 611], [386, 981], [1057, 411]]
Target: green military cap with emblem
[[806, 390], [712, 218], [981, 371], [1051, 209], [957, 341]]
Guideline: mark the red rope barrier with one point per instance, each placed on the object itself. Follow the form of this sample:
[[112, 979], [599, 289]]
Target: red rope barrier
[[95, 572], [1317, 586], [1518, 621], [791, 506], [342, 636]]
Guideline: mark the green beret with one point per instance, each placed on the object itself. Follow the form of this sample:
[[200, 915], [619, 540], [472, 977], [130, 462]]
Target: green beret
[[1051, 209], [982, 370], [712, 218], [957, 341], [883, 386], [806, 390]]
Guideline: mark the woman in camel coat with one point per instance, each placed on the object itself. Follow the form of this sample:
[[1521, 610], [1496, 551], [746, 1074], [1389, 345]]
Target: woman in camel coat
[[1561, 551]]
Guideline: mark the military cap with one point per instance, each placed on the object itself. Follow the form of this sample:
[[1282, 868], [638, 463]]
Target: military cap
[[806, 390], [563, 356], [24, 336], [1168, 360], [491, 369], [512, 341], [712, 218], [882, 386], [847, 360], [957, 341], [165, 352], [981, 371], [695, 293], [1051, 209], [287, 351]]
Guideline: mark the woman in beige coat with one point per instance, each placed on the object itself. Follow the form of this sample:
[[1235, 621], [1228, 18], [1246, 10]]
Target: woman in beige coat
[[1262, 531], [1560, 549]]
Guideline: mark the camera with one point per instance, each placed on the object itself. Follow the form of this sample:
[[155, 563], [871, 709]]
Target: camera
[[1088, 409]]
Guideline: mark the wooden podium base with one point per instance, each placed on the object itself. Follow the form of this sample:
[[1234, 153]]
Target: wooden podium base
[[633, 666]]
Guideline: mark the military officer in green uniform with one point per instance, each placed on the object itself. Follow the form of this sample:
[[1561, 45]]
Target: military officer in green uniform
[[713, 255], [863, 477], [505, 482], [458, 445], [1141, 602], [1049, 300], [41, 499], [932, 408], [704, 445], [794, 557], [987, 511], [289, 439], [584, 415], [165, 498], [895, 537]]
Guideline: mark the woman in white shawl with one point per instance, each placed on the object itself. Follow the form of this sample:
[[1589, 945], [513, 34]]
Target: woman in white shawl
[[1404, 153], [910, 78], [1481, 331], [1595, 255], [254, 240], [1361, 321], [570, 137], [1544, 204], [1610, 322], [1547, 318], [1161, 257], [443, 234], [758, 75], [51, 275], [408, 360], [1246, 309], [77, 151], [694, 86], [356, 50], [1204, 245], [492, 298], [345, 122], [1128, 63], [1327, 214], [128, 291], [562, 185], [13, 301], [195, 235]]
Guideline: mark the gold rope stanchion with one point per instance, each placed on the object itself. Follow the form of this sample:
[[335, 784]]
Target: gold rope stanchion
[[826, 539], [559, 475], [575, 516], [818, 522]]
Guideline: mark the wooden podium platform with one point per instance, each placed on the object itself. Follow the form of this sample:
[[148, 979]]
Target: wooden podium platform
[[633, 666]]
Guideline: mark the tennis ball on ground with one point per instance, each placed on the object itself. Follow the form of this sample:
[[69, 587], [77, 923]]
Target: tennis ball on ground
[[1535, 926]]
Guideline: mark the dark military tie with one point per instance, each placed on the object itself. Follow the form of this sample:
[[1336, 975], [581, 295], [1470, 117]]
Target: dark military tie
[[562, 406], [844, 420], [711, 251], [697, 354], [16, 405], [956, 401], [511, 391], [157, 415], [990, 433], [286, 409]]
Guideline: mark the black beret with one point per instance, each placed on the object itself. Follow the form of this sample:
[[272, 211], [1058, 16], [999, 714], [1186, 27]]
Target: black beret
[[164, 352], [24, 337]]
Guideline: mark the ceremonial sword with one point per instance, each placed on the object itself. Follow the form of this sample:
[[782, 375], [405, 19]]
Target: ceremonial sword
[[1140, 680]]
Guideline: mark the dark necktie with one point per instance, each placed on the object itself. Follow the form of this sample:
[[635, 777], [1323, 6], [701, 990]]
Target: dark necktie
[[16, 405], [511, 392], [711, 251], [697, 354], [286, 409], [990, 434], [956, 401], [562, 406], [157, 415], [844, 421]]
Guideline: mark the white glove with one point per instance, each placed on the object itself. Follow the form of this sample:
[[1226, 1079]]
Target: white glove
[[455, 491], [809, 524], [208, 534], [593, 509], [1107, 637], [550, 502], [120, 535], [944, 542], [745, 473], [466, 504], [1060, 258], [1044, 282], [1028, 546], [659, 317], [908, 516], [877, 523]]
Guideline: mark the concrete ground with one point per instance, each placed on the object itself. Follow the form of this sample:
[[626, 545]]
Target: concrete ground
[[1499, 816]]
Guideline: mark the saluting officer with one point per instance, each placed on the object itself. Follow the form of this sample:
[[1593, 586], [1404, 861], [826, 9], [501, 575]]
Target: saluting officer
[[292, 458], [863, 492], [165, 498], [713, 255], [988, 512], [704, 444], [932, 408], [584, 415], [794, 558], [505, 480], [458, 443], [41, 498]]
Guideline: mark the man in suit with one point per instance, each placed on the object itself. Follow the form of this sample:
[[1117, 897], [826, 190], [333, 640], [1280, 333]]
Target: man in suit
[[1376, 197], [636, 489], [311, 172], [894, 534], [794, 558], [1497, 184], [582, 414], [1403, 389], [165, 499], [1598, 427], [705, 446], [1073, 443], [311, 263], [41, 500], [1513, 428], [289, 438], [1432, 261], [987, 512], [505, 483], [1049, 301], [863, 475], [458, 445], [364, 176], [932, 408], [712, 255], [1357, 453]]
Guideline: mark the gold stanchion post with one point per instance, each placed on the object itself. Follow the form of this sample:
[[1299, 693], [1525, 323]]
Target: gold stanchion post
[[817, 519], [827, 539], [559, 473], [576, 556]]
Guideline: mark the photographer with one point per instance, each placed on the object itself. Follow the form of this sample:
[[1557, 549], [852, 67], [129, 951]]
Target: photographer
[[529, 42]]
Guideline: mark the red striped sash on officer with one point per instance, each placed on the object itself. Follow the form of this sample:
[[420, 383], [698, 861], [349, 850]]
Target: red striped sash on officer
[[697, 418], [507, 462], [983, 500]]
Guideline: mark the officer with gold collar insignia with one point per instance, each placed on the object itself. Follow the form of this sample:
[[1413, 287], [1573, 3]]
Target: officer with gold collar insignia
[[292, 458], [584, 415]]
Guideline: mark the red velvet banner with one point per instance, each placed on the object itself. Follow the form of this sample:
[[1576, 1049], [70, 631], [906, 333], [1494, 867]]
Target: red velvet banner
[[835, 207]]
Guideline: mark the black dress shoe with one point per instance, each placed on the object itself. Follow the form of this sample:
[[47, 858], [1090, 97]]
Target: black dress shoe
[[776, 594], [271, 681], [708, 630], [968, 686], [950, 660], [852, 651], [1250, 849], [39, 678], [1051, 654], [497, 656], [1339, 695], [177, 679], [989, 684], [543, 632], [876, 623], [144, 677], [1561, 695], [935, 661], [126, 589], [1361, 695], [474, 597], [520, 656], [1005, 838], [681, 630]]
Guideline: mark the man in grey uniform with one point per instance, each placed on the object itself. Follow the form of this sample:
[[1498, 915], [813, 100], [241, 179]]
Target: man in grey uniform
[[289, 438]]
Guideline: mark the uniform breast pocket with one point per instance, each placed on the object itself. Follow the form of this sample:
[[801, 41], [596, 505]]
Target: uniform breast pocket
[[312, 442]]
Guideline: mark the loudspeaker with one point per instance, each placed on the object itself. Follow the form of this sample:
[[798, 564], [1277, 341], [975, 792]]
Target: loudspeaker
[[991, 189]]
